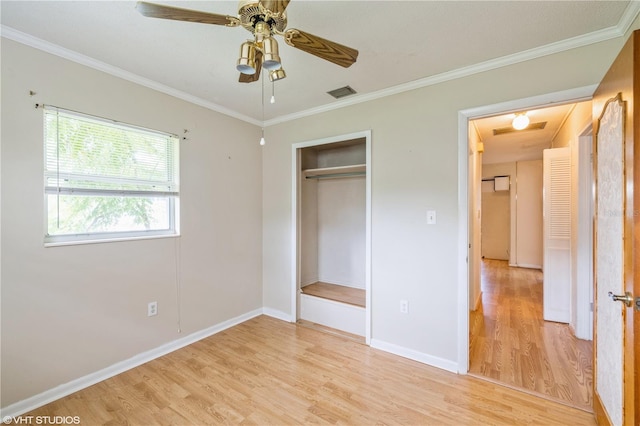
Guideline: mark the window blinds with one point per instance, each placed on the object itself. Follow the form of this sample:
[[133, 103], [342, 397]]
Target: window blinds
[[86, 155]]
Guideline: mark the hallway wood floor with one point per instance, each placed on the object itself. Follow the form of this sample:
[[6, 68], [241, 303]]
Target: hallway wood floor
[[269, 372], [511, 343]]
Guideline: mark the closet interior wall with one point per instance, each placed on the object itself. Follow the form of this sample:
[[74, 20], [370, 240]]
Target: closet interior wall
[[333, 216]]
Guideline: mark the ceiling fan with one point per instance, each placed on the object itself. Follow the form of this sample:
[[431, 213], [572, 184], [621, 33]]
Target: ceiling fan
[[263, 19]]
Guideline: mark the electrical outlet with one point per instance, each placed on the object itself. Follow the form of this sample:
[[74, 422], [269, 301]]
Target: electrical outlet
[[152, 309], [404, 306]]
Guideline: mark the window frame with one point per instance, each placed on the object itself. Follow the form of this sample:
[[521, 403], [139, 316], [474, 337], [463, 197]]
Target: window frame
[[173, 197]]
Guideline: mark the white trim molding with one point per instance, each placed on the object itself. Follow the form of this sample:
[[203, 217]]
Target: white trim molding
[[54, 49], [431, 360], [80, 383], [464, 116], [277, 314], [571, 43], [619, 30], [295, 158]]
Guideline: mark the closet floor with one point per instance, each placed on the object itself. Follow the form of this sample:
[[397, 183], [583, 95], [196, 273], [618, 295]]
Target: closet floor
[[338, 293]]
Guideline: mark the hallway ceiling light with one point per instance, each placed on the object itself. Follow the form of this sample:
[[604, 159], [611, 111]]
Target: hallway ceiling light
[[521, 121]]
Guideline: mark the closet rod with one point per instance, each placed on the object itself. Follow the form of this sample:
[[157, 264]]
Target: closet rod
[[336, 175]]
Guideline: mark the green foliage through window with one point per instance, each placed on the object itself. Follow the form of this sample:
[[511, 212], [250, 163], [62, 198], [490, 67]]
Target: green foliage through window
[[103, 177]]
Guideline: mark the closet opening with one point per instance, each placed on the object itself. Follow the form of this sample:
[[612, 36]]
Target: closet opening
[[332, 234]]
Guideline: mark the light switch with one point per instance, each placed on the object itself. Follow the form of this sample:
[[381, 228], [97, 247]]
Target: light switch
[[431, 217]]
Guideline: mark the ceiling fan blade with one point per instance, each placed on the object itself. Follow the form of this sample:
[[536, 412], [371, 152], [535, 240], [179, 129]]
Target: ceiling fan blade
[[275, 6], [322, 48], [250, 78], [152, 10], [245, 78]]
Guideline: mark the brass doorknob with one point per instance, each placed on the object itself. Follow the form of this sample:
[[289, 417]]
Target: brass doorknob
[[627, 298]]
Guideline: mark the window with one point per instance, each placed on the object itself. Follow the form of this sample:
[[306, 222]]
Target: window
[[107, 180]]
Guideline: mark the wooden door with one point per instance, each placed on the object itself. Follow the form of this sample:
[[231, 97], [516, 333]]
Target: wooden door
[[557, 235], [617, 243]]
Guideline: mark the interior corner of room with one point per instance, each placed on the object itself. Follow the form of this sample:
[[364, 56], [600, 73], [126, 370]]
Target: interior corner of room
[[391, 219]]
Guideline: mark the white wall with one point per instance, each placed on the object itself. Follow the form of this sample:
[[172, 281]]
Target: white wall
[[308, 231], [341, 231], [581, 280], [70, 311], [529, 251], [496, 224], [414, 168], [475, 217], [525, 213], [505, 169]]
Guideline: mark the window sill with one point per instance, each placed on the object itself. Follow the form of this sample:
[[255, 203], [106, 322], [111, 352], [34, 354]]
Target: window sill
[[107, 240]]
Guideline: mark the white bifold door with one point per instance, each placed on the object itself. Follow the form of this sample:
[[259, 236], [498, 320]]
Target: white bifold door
[[557, 234]]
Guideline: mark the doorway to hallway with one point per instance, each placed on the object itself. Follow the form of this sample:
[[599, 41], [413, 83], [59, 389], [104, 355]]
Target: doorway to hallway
[[509, 341]]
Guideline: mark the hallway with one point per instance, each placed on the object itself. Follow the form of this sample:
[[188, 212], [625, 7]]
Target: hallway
[[510, 343]]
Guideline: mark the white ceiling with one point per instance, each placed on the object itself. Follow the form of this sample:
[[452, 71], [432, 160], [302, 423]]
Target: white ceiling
[[402, 44], [524, 144]]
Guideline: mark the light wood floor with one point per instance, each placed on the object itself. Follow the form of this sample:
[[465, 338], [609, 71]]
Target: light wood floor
[[512, 344], [324, 328], [339, 293], [269, 372]]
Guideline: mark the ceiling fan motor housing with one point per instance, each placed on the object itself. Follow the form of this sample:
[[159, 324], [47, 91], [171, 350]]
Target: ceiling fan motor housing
[[251, 12], [263, 19]]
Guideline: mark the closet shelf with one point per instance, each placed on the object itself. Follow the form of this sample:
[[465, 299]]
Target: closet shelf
[[335, 172]]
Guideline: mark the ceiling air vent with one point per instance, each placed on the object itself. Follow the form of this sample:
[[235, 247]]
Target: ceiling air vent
[[342, 92], [510, 129]]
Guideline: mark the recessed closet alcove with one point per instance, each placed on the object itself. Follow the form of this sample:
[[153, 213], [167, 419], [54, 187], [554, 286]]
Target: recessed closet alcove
[[333, 233]]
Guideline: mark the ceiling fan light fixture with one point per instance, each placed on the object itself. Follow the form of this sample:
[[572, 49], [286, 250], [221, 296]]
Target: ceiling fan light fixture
[[264, 19], [261, 31], [276, 75], [271, 56], [521, 121], [247, 61]]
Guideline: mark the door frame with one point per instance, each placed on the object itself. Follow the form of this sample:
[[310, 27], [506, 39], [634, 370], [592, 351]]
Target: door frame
[[579, 94], [583, 284], [295, 220]]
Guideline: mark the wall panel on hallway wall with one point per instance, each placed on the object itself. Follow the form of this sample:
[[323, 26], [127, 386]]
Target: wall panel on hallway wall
[[529, 214], [496, 224], [341, 231]]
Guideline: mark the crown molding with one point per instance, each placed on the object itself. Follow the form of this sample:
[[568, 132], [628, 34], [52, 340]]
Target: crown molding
[[629, 16], [54, 49], [625, 23], [526, 55]]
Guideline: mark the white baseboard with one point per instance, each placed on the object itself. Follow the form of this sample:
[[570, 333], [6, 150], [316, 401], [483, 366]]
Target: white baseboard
[[330, 313], [431, 360], [528, 266], [63, 390], [274, 313], [556, 315]]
